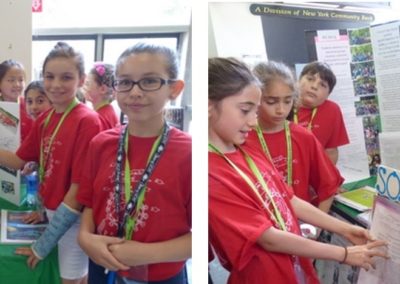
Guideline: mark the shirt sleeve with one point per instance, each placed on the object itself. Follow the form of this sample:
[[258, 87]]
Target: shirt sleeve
[[90, 128], [85, 191], [339, 135], [325, 177], [236, 222], [30, 147]]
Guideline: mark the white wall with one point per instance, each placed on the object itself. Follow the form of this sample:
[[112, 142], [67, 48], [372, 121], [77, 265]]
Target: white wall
[[235, 31], [16, 32]]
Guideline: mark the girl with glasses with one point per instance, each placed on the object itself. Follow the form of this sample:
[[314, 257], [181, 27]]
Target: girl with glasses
[[137, 184]]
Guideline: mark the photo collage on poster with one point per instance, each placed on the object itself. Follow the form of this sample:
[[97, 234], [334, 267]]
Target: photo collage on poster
[[364, 82]]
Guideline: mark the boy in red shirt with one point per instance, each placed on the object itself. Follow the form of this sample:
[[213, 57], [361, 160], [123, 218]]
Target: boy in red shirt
[[318, 114]]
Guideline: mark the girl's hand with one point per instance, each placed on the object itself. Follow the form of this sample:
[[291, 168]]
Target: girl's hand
[[358, 235], [121, 251], [362, 255], [34, 218], [97, 248], [29, 168], [32, 260]]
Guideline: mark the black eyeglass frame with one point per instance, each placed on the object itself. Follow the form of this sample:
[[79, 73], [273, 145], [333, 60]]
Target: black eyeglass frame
[[133, 83]]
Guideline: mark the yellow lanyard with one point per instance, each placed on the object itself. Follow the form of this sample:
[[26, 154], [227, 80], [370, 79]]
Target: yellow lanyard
[[276, 215], [103, 103], [42, 162], [296, 118], [289, 151]]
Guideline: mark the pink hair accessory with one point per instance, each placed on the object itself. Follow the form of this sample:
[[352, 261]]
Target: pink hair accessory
[[100, 69]]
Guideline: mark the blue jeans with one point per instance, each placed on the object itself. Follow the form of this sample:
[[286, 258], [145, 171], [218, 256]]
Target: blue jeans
[[97, 276], [180, 278]]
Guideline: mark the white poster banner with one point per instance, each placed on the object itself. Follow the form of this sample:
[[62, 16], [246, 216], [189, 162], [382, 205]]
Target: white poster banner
[[334, 49], [385, 40]]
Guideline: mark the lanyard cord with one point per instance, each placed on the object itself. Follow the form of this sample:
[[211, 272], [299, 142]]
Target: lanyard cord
[[289, 152], [276, 215], [136, 200], [42, 161], [296, 118], [103, 103]]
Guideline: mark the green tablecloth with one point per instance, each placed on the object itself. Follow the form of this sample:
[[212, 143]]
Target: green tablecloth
[[13, 268]]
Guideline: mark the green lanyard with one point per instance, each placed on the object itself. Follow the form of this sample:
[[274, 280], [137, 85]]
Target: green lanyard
[[276, 216], [131, 221], [42, 162], [134, 202], [296, 118], [289, 158], [103, 103]]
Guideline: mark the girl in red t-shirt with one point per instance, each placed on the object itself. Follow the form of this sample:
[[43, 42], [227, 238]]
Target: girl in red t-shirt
[[98, 90], [137, 180], [252, 213], [58, 142], [36, 99], [12, 84], [294, 151]]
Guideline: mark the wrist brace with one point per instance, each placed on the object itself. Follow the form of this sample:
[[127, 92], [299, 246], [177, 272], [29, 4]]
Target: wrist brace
[[62, 220]]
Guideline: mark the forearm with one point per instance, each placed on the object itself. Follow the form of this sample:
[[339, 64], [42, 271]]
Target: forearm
[[314, 216], [11, 160], [87, 223], [325, 205], [174, 250], [275, 240], [70, 198], [333, 154]]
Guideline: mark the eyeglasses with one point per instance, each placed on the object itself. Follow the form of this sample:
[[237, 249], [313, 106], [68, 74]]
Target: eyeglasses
[[145, 84]]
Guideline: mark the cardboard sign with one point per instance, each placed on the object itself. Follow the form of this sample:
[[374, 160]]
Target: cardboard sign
[[388, 182]]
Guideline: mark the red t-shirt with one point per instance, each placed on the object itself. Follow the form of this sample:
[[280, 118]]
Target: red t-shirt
[[64, 164], [328, 125], [167, 209], [108, 117], [310, 165], [237, 219]]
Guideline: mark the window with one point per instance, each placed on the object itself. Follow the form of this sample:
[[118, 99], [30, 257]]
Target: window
[[40, 49]]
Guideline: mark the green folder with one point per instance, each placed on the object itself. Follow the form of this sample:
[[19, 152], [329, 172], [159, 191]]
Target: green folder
[[361, 199]]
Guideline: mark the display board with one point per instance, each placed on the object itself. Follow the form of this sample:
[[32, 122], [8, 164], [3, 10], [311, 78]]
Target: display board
[[10, 125]]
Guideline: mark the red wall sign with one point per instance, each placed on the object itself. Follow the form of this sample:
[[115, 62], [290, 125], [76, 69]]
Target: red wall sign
[[37, 6]]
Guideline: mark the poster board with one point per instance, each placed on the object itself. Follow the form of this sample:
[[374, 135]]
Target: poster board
[[10, 140], [371, 65], [385, 40], [385, 226], [333, 47]]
